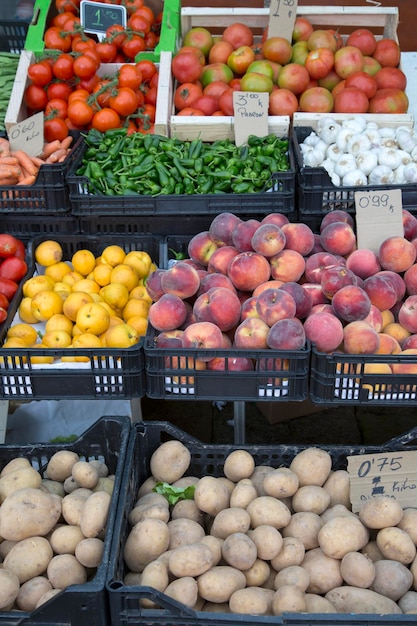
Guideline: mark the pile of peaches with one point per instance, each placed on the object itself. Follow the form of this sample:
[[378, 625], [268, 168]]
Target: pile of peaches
[[318, 71], [275, 284]]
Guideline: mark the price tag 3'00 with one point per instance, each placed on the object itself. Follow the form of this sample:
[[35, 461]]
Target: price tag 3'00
[[378, 216], [251, 115]]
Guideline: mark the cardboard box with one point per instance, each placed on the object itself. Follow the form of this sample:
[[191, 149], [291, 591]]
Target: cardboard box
[[277, 412]]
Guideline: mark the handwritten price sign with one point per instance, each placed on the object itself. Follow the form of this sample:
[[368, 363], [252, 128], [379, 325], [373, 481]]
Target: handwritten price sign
[[96, 17], [282, 14], [378, 216], [390, 474], [28, 135], [251, 115]]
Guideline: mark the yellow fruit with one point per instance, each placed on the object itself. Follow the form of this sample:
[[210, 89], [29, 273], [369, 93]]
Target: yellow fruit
[[74, 301], [115, 319], [62, 288], [59, 322], [135, 307], [140, 260], [113, 255], [41, 358], [121, 336], [57, 271], [23, 331], [140, 293], [152, 268], [72, 277], [40, 282], [48, 252], [85, 284], [111, 311], [45, 304], [83, 261], [139, 323], [25, 311], [92, 318], [86, 340], [57, 339], [115, 294], [102, 274], [75, 330], [124, 274]]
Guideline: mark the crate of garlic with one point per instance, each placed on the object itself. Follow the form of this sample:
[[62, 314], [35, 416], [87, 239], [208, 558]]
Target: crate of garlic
[[338, 156]]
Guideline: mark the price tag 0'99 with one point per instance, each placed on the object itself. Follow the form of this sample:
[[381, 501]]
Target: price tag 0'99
[[378, 216], [96, 17], [251, 115], [28, 135]]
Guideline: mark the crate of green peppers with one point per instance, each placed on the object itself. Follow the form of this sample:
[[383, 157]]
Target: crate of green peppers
[[144, 174]]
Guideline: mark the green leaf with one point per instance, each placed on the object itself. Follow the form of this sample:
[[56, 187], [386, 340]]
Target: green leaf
[[174, 494]]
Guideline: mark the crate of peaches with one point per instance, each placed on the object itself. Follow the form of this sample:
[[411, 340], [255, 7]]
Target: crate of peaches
[[79, 319]]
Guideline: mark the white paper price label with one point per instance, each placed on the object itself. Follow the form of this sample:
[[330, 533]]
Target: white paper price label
[[378, 216], [282, 14], [251, 115], [28, 135]]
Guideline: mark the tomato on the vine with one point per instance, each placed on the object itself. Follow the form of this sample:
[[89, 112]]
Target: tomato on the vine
[[58, 107], [40, 73], [130, 76], [133, 45], [58, 89], [35, 97], [80, 112], [139, 23], [60, 19], [124, 102], [151, 40], [105, 119], [55, 128], [107, 51], [116, 34], [151, 95], [89, 83], [55, 39], [85, 66], [147, 69], [62, 67], [71, 6], [147, 13]]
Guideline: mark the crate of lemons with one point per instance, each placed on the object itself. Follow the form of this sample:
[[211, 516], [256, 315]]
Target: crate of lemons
[[87, 302]]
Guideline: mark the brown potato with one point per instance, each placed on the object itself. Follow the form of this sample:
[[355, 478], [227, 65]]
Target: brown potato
[[9, 589], [94, 515], [380, 511], [355, 600], [218, 584], [305, 526], [85, 474], [183, 590], [281, 483], [28, 513], [29, 558], [291, 553], [190, 560], [396, 544], [187, 509], [392, 579], [318, 604], [312, 466], [239, 551], [357, 570], [408, 523], [293, 575], [250, 601], [147, 540], [268, 541], [73, 504], [341, 535], [65, 538], [230, 520], [257, 574], [30, 593], [47, 596], [323, 571], [338, 487], [184, 532], [25, 477], [288, 599], [156, 510], [89, 552], [243, 493], [64, 570], [238, 464], [19, 462], [310, 498], [60, 465], [170, 461], [268, 510], [211, 495]]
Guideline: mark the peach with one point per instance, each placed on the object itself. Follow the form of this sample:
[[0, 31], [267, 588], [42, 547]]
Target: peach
[[215, 280], [222, 226], [287, 265], [381, 291], [200, 247], [169, 339], [396, 330], [410, 342], [360, 338], [324, 330], [267, 285], [408, 365], [317, 244], [221, 258], [338, 215], [407, 314], [275, 304], [251, 334], [302, 298], [231, 364], [248, 308], [387, 317], [153, 284], [410, 280], [218, 305], [397, 281], [299, 237], [275, 218], [338, 238], [316, 293], [409, 225], [334, 278], [202, 335], [184, 363], [316, 263], [396, 254], [247, 270], [181, 280], [375, 369], [286, 334], [190, 315], [374, 318], [316, 308], [388, 345], [167, 313], [351, 303], [363, 262], [268, 239], [242, 234], [227, 340]]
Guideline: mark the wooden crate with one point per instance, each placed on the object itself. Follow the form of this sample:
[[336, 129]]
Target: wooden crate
[[382, 119], [382, 20]]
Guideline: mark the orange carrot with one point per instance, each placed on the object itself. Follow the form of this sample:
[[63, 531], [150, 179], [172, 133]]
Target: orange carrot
[[10, 171], [50, 147], [8, 160], [55, 156], [4, 146], [37, 161], [27, 180], [26, 162], [65, 143]]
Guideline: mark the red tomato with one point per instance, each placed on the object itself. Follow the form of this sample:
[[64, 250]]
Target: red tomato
[[220, 52], [370, 65], [8, 245], [21, 250], [316, 100], [151, 95], [62, 67], [294, 77], [40, 73], [215, 89], [191, 111], [130, 76], [132, 46], [60, 19], [35, 97], [389, 101], [196, 51], [186, 67], [363, 39], [207, 104], [322, 38], [348, 60], [330, 80], [238, 34], [106, 51], [55, 128], [302, 29], [8, 287], [13, 268], [58, 90], [147, 69], [139, 23], [282, 102], [4, 303], [71, 6], [186, 94], [200, 38], [240, 59], [3, 314], [277, 49], [387, 52], [216, 71], [363, 81], [89, 83], [319, 62], [80, 112], [124, 102], [58, 107], [55, 40], [391, 77], [85, 66], [226, 102], [105, 119], [146, 12], [350, 100], [151, 40]]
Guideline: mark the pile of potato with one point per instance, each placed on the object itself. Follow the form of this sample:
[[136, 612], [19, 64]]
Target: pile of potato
[[52, 527], [262, 540]]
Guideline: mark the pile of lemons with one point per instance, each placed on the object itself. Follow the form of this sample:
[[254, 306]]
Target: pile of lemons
[[88, 302]]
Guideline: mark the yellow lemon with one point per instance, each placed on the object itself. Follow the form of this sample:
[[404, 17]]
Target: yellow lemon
[[25, 311], [92, 318], [57, 271], [102, 274], [140, 261], [83, 261], [74, 301], [135, 307], [57, 339], [113, 255], [45, 304], [115, 294], [59, 321], [24, 331], [139, 323], [48, 253], [40, 282], [124, 274]]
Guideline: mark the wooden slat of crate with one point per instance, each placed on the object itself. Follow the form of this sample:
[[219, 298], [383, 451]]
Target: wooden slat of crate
[[383, 120]]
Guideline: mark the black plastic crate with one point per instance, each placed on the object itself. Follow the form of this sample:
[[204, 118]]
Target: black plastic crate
[[84, 203], [28, 226], [13, 35], [107, 372], [208, 459], [49, 194], [174, 373], [316, 194], [340, 378], [106, 440]]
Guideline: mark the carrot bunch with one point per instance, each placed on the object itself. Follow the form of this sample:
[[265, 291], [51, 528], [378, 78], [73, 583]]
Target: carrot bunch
[[19, 168]]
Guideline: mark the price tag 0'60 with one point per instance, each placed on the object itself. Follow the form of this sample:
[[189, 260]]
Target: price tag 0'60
[[28, 135]]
